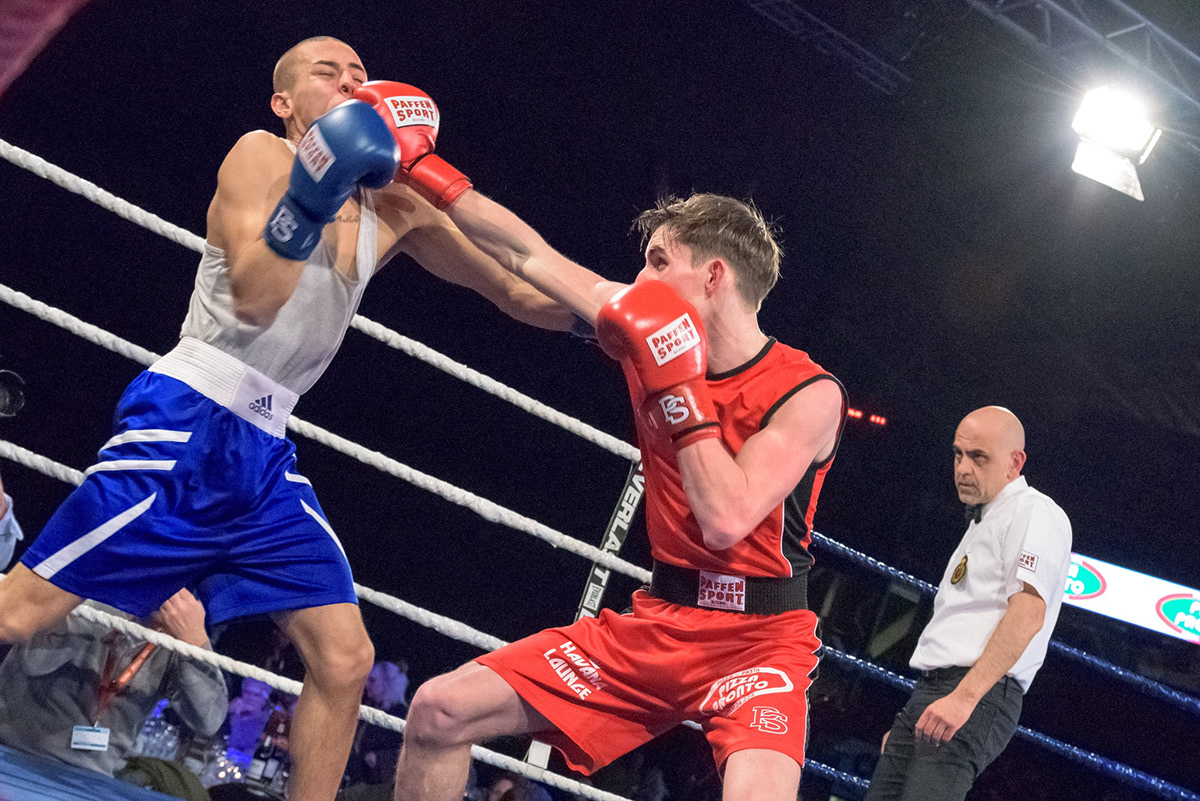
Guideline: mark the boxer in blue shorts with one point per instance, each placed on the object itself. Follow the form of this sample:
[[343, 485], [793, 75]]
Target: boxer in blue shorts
[[198, 485]]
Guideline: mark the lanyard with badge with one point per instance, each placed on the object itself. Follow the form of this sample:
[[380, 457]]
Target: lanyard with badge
[[95, 738]]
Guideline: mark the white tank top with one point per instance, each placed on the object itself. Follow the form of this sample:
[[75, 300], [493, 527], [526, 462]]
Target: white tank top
[[297, 347]]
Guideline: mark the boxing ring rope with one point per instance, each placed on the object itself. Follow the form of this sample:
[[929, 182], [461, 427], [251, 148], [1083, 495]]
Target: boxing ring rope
[[129, 211], [1127, 774], [292, 687], [459, 631], [444, 625], [487, 509], [1188, 702], [123, 208]]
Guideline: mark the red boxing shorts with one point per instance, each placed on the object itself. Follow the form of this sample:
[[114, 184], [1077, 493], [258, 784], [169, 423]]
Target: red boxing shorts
[[611, 683]]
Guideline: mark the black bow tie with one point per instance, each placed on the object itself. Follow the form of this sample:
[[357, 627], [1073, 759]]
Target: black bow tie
[[973, 512]]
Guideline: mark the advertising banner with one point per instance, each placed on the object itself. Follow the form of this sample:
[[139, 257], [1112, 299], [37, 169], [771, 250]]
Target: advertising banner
[[1134, 597]]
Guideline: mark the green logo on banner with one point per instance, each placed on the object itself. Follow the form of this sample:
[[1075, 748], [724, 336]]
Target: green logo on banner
[[1181, 612], [1084, 581]]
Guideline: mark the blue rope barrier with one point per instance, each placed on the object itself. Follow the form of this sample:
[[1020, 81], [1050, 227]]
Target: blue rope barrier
[[1188, 702], [881, 673], [874, 564], [833, 774], [1132, 776], [1148, 686]]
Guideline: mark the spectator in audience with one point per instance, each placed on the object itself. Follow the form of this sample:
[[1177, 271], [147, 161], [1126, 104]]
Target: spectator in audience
[[10, 531], [80, 691]]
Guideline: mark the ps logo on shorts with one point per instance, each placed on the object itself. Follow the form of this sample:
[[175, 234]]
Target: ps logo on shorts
[[769, 720]]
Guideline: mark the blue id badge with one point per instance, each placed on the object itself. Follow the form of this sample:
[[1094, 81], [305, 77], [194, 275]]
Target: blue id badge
[[89, 738]]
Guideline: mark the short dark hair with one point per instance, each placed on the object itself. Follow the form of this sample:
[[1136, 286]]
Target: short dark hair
[[716, 226]]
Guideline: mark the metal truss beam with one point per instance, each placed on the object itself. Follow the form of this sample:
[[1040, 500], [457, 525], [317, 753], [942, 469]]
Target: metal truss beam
[[803, 25], [1064, 27]]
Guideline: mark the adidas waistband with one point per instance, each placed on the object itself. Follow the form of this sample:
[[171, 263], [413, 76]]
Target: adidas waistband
[[225, 380]]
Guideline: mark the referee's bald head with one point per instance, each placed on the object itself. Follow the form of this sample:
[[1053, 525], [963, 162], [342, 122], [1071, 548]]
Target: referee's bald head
[[989, 452]]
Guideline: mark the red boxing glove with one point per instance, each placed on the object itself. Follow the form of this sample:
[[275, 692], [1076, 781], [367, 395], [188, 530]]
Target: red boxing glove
[[413, 119], [411, 115], [660, 341]]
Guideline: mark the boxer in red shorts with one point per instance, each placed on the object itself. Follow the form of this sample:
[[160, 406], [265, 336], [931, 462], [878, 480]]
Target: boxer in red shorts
[[737, 433]]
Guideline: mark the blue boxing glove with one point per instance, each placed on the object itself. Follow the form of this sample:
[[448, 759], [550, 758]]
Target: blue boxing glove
[[346, 146]]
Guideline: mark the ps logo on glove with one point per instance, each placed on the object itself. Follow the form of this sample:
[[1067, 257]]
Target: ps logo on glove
[[283, 224], [674, 408]]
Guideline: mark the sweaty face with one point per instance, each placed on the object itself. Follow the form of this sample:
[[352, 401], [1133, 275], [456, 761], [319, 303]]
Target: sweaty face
[[982, 465], [324, 76]]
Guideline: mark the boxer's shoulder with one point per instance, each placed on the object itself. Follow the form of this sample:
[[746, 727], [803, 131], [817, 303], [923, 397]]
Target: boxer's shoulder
[[401, 210], [257, 155]]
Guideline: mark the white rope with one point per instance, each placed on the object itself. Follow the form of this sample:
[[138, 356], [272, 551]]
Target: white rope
[[483, 507], [486, 509], [439, 623], [444, 625], [40, 463], [73, 183], [292, 687], [124, 208], [76, 326], [491, 385]]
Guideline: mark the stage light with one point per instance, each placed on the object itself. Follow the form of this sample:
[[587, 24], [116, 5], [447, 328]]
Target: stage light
[[855, 413], [878, 419], [1113, 134]]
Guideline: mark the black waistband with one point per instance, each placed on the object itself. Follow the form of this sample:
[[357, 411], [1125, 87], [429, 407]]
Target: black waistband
[[946, 673], [750, 595], [956, 674]]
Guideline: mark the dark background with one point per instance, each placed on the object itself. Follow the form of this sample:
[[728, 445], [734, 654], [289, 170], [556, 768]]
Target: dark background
[[940, 256]]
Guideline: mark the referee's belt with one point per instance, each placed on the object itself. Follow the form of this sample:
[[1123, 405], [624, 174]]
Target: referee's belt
[[750, 595]]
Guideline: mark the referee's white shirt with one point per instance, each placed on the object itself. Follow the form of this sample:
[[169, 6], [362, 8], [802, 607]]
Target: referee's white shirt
[[1022, 536]]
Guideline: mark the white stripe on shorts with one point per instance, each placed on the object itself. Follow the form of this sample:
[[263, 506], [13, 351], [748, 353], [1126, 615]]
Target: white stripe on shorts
[[297, 478], [56, 562], [147, 435], [131, 464], [325, 525]]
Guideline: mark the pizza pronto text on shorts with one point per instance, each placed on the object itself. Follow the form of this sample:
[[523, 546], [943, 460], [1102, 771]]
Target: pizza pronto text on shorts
[[727, 695], [577, 671]]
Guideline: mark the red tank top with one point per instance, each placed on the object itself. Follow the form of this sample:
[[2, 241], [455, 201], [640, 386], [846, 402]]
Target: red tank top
[[746, 398]]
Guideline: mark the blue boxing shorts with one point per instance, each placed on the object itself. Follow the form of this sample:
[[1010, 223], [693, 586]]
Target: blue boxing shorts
[[192, 492]]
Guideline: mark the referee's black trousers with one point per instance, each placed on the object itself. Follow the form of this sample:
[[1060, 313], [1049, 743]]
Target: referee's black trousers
[[913, 771]]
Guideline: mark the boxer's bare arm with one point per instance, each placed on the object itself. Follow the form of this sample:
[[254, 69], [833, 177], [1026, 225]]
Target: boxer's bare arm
[[521, 250], [1021, 622], [730, 495], [251, 181], [433, 241]]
